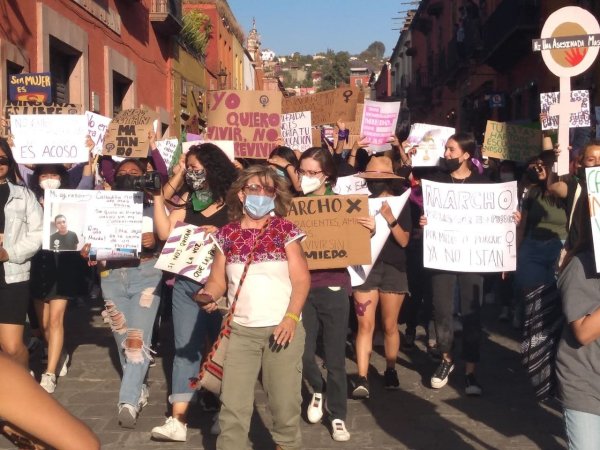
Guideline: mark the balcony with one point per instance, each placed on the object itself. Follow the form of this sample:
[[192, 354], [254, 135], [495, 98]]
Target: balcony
[[165, 16], [508, 32]]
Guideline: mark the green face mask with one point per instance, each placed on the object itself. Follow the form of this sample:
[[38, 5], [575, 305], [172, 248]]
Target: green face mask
[[201, 200]]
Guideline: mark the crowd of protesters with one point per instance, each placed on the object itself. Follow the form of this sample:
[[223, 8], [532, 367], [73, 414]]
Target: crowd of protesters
[[282, 309]]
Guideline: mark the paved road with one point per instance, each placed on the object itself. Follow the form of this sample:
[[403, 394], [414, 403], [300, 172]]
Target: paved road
[[415, 417]]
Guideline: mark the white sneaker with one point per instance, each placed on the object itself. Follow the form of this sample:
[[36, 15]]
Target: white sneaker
[[172, 430], [215, 429], [62, 363], [127, 415], [48, 382], [338, 431], [314, 412]]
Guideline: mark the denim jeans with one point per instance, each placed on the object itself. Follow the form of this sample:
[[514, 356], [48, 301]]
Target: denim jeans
[[131, 299], [327, 309], [536, 261], [583, 430], [191, 326]]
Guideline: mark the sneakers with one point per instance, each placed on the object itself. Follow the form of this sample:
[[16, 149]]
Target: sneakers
[[314, 412], [441, 374], [338, 431], [63, 364], [472, 387], [48, 382], [361, 390], [127, 415], [390, 377], [172, 430]]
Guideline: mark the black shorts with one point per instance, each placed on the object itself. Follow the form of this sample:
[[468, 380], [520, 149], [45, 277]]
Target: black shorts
[[385, 278], [14, 300]]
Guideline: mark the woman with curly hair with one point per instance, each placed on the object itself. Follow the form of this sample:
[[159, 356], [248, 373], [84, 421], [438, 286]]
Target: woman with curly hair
[[207, 175]]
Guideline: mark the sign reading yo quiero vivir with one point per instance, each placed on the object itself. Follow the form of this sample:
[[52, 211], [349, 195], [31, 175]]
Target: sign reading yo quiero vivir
[[335, 238]]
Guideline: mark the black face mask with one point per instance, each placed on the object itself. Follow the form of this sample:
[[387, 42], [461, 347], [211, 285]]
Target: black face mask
[[532, 175], [376, 188], [124, 183], [449, 165]]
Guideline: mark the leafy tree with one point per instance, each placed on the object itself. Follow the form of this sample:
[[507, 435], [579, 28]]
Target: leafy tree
[[196, 32], [335, 70], [376, 49]]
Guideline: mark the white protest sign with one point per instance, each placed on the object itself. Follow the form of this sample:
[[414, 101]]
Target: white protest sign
[[430, 141], [105, 219], [185, 146], [579, 118], [167, 148], [49, 138], [188, 252], [97, 126], [228, 148], [296, 130], [358, 274], [592, 175], [379, 123], [470, 227], [351, 184]]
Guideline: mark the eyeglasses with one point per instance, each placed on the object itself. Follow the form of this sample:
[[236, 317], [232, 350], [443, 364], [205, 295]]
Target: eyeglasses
[[255, 189], [4, 161], [310, 173]]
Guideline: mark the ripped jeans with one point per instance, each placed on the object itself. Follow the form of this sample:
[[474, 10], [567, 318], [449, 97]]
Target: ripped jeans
[[131, 299]]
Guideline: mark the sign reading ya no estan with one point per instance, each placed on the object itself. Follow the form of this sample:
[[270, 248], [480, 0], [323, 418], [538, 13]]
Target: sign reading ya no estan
[[334, 237]]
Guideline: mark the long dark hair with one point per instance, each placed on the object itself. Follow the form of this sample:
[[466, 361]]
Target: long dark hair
[[287, 154], [220, 171], [324, 158], [58, 169], [13, 174]]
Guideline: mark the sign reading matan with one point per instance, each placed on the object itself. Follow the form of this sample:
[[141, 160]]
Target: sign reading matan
[[592, 175], [512, 142], [326, 107], [127, 134], [252, 119], [49, 139], [470, 227], [334, 237]]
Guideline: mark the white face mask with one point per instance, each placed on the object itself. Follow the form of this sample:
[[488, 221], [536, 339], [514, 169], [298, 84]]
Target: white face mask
[[50, 183], [310, 184]]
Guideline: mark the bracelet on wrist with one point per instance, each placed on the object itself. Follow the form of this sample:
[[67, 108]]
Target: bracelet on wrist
[[392, 224], [292, 316]]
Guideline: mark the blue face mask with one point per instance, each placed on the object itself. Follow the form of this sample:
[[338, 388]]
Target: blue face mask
[[280, 172], [258, 206]]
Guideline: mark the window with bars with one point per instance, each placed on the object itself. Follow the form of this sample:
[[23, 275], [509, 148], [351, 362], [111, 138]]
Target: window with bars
[[63, 59]]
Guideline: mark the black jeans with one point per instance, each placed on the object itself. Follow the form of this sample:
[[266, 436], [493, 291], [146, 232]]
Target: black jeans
[[328, 310], [470, 286]]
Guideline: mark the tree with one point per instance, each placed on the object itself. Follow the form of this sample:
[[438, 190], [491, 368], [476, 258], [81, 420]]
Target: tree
[[196, 32], [335, 70], [376, 50]]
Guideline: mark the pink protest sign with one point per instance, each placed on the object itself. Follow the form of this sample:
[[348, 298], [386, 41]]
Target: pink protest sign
[[379, 123]]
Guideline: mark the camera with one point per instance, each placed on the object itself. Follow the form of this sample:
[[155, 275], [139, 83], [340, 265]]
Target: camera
[[149, 181]]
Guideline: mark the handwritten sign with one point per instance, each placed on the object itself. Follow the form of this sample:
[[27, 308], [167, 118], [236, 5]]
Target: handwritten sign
[[252, 119], [46, 139], [326, 107], [470, 227], [188, 252], [351, 184], [25, 108], [334, 236], [512, 142], [35, 87], [592, 175], [127, 134], [379, 123], [358, 274], [430, 141], [296, 130], [97, 126], [580, 118], [105, 219], [167, 148]]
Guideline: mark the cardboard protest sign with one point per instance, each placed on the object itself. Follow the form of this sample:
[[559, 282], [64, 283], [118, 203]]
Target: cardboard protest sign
[[105, 219], [97, 126], [470, 227], [25, 108], [296, 130], [188, 252], [351, 184], [430, 141], [49, 139], [167, 148], [326, 107], [579, 118], [512, 142], [36, 87], [379, 123], [334, 236], [358, 274], [127, 134], [252, 119], [592, 175]]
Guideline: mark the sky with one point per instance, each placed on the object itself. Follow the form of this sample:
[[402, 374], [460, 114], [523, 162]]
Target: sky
[[311, 26]]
